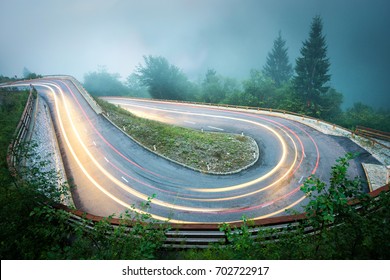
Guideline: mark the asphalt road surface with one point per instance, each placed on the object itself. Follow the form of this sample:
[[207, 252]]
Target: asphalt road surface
[[111, 173]]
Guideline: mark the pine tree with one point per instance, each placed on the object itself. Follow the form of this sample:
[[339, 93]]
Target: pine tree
[[312, 69], [277, 67]]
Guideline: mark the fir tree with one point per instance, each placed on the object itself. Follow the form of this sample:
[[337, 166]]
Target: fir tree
[[277, 67], [312, 69]]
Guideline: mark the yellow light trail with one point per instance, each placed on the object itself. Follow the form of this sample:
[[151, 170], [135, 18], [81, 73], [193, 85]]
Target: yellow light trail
[[116, 181], [135, 193], [240, 186], [90, 178], [254, 192]]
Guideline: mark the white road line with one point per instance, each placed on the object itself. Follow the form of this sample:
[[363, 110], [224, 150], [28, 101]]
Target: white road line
[[124, 179], [217, 128], [300, 180], [190, 122], [267, 204], [94, 143], [304, 154], [106, 159]]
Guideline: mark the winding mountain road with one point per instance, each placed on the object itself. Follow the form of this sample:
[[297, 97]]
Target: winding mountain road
[[111, 172]]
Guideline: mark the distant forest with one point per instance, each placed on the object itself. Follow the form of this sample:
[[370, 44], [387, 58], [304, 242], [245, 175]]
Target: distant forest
[[301, 89]]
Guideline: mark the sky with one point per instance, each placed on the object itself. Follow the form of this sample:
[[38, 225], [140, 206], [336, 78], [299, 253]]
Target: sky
[[231, 36]]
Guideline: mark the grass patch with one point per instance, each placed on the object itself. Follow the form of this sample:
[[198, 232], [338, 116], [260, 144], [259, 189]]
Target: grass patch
[[12, 104], [206, 151]]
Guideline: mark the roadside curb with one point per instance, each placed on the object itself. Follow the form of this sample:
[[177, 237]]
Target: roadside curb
[[58, 162]]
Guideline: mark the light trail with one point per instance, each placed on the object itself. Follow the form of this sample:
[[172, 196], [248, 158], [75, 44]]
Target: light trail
[[101, 136], [119, 183], [90, 178], [287, 133], [260, 190], [235, 187], [253, 192], [128, 206], [280, 198]]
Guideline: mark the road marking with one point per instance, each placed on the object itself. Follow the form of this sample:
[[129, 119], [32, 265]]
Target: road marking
[[94, 143], [300, 180], [304, 154], [190, 122], [124, 179], [267, 204], [106, 159], [217, 128]]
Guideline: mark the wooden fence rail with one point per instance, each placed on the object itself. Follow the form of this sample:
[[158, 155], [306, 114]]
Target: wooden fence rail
[[372, 133]]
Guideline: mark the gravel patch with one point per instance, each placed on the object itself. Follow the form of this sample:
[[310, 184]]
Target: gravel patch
[[376, 175], [46, 145]]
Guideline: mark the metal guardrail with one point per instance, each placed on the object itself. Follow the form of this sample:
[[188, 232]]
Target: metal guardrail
[[21, 132], [194, 235], [198, 235]]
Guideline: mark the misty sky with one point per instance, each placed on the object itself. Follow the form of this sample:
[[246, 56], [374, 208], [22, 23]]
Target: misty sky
[[232, 36]]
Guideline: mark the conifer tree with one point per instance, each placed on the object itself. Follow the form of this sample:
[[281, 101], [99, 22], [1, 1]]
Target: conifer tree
[[277, 67], [312, 69]]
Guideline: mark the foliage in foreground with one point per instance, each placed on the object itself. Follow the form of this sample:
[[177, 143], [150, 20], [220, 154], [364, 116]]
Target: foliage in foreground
[[342, 231], [32, 229]]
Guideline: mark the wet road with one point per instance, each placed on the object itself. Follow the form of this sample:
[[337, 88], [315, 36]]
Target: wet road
[[112, 173]]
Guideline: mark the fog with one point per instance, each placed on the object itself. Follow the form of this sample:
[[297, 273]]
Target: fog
[[232, 36]]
